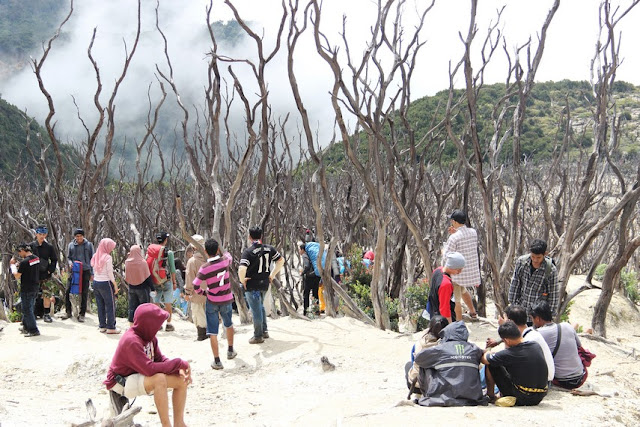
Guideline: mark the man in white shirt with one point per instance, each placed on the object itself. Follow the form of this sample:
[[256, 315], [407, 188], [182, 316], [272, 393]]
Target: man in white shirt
[[464, 240], [518, 315]]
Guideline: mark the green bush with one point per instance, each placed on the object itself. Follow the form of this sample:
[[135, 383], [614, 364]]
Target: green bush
[[629, 281], [122, 304], [358, 273], [567, 311], [599, 273], [417, 297], [15, 316], [361, 295]]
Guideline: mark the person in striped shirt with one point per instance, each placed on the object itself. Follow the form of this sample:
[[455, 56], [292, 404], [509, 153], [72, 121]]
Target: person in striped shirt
[[212, 281], [464, 240]]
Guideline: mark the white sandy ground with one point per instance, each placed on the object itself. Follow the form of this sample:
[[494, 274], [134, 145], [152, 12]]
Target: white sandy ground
[[46, 380]]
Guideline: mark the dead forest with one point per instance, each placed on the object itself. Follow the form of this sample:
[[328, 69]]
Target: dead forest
[[393, 192]]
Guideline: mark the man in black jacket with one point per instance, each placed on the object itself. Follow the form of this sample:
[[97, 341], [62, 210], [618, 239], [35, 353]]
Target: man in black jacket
[[48, 263], [449, 371], [27, 271]]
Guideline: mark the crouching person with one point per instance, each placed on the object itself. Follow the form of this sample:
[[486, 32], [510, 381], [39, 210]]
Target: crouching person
[[139, 368], [519, 371], [449, 371]]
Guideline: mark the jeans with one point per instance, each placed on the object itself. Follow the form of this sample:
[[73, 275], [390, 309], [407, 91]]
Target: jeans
[[137, 295], [255, 299], [86, 275], [106, 304], [28, 317]]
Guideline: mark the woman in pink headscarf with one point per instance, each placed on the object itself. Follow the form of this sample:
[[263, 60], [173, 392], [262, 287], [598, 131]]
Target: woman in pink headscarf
[[104, 286], [138, 277]]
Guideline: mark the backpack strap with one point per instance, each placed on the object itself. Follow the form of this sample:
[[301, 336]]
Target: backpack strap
[[555, 350]]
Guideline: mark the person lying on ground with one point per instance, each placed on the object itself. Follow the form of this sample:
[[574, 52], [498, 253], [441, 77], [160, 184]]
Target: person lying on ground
[[139, 368], [563, 342], [518, 315], [519, 371], [429, 339], [449, 370]]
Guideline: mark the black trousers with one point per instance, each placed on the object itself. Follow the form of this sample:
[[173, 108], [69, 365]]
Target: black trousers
[[311, 284], [86, 276], [507, 388]]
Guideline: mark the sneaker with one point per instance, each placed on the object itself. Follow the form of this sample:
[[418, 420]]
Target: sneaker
[[231, 354], [113, 331], [47, 318], [216, 365], [265, 335], [32, 334], [169, 328], [102, 330], [255, 340], [81, 319], [22, 330], [65, 316], [506, 401]]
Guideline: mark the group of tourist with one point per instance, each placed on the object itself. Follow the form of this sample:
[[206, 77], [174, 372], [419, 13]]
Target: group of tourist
[[447, 370]]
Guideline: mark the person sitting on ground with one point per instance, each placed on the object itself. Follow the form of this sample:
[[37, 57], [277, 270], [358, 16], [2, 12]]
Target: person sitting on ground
[[105, 287], [563, 342], [519, 371], [518, 315], [449, 371], [138, 276], [442, 287], [139, 368], [429, 339], [213, 282]]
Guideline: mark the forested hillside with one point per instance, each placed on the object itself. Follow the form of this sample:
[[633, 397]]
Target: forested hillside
[[542, 130], [13, 141], [25, 23]]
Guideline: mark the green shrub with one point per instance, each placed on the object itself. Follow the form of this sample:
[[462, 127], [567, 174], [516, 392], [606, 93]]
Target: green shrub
[[565, 315], [599, 273], [417, 297], [629, 281], [358, 273], [15, 316], [122, 304]]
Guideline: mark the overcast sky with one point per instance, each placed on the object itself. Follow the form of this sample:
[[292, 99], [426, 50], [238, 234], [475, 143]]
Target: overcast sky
[[569, 50]]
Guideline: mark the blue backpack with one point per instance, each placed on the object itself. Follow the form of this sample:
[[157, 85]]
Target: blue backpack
[[312, 249]]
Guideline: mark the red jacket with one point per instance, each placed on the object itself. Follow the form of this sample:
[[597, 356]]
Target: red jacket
[[138, 350]]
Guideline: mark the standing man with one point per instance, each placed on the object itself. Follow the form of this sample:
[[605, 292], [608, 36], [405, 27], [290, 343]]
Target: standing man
[[81, 250], [48, 263], [213, 282], [28, 273], [464, 239], [309, 279], [535, 278], [197, 301], [255, 275], [442, 287], [165, 290]]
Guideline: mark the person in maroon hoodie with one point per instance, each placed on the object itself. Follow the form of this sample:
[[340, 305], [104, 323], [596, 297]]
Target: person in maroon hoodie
[[139, 368]]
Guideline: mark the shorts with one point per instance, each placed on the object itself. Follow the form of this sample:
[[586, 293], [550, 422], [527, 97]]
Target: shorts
[[164, 293], [213, 322], [48, 288], [133, 387]]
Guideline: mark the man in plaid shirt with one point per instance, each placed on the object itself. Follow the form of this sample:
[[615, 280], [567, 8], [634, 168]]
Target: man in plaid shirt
[[464, 240], [535, 278]]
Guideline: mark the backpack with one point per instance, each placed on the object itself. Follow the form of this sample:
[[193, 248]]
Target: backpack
[[312, 249], [157, 262], [75, 279]]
